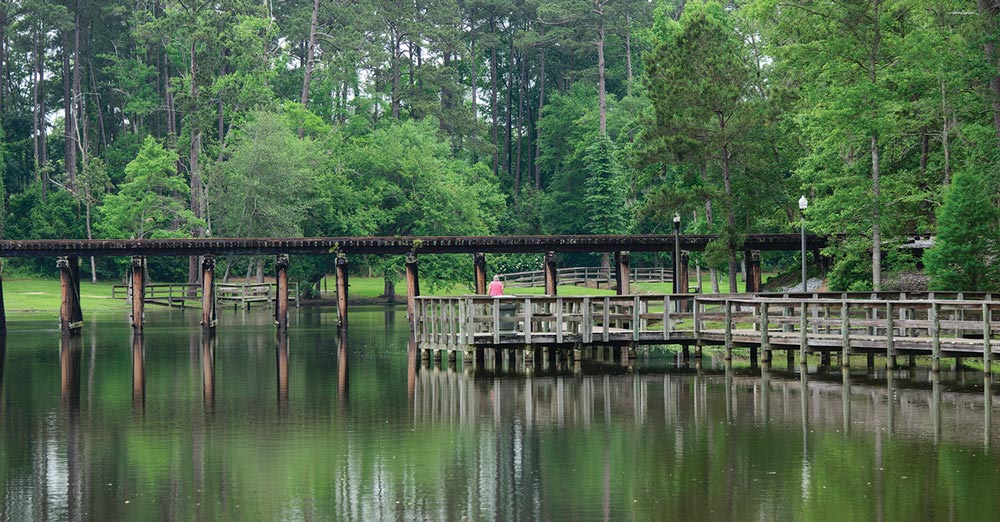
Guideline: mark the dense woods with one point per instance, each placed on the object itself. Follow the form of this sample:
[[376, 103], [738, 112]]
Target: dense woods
[[166, 118]]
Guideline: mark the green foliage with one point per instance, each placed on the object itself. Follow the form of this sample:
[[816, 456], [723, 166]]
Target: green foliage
[[964, 254], [604, 197], [151, 203]]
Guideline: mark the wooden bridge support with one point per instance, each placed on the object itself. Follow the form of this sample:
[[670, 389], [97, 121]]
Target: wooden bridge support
[[551, 274], [342, 290], [412, 285], [622, 272], [479, 275], [681, 284], [138, 293], [753, 275], [70, 314], [281, 303], [208, 317]]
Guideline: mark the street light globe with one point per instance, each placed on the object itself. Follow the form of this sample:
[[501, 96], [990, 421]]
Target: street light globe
[[677, 217], [803, 203]]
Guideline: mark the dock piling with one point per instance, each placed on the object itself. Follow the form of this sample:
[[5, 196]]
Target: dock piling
[[551, 274], [281, 303], [479, 264], [623, 272], [208, 317], [70, 314], [138, 289], [413, 284], [342, 290]]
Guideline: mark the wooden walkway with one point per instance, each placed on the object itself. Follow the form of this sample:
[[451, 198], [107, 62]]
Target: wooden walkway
[[941, 324]]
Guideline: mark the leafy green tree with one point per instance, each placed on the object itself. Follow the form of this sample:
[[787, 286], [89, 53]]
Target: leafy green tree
[[698, 79], [964, 254], [605, 189], [151, 201]]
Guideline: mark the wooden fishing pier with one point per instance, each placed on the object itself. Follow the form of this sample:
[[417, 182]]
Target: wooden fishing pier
[[889, 324]]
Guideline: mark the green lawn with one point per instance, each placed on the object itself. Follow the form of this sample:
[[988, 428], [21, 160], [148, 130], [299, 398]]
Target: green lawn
[[24, 295]]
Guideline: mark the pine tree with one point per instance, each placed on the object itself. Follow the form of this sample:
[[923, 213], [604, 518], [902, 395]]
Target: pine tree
[[964, 254]]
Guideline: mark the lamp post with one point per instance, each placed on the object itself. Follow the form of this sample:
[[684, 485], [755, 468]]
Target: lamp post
[[803, 204], [677, 247]]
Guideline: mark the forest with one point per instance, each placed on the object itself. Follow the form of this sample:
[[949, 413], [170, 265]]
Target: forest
[[230, 118]]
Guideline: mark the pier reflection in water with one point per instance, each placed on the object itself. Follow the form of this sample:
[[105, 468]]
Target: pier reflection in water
[[319, 424]]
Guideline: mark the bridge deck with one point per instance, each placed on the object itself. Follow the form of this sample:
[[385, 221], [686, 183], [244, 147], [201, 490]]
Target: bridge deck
[[387, 245]]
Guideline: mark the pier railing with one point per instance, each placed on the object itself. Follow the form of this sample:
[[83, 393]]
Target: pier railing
[[179, 294], [958, 323], [582, 274]]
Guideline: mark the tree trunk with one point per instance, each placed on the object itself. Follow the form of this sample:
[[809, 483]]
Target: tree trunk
[[396, 73], [495, 131], [523, 79], [876, 190], [310, 54], [77, 91], [601, 95], [730, 217], [388, 288], [945, 130], [541, 105], [260, 271], [713, 274], [507, 142], [194, 270], [628, 48], [69, 127]]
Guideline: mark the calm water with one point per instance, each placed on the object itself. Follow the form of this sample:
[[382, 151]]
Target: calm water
[[247, 428]]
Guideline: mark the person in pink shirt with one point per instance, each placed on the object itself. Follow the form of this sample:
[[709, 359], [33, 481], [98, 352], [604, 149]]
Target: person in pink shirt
[[496, 287]]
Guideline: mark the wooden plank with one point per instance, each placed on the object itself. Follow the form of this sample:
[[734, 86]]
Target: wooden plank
[[560, 325], [890, 338], [606, 324]]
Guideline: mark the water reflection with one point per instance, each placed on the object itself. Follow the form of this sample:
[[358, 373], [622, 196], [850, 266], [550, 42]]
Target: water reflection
[[544, 438], [138, 374], [282, 367], [208, 371]]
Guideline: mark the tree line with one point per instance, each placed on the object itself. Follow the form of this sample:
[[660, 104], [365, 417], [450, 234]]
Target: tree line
[[177, 118]]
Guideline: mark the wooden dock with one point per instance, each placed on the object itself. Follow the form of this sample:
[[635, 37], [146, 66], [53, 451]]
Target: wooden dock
[[952, 324], [181, 295], [581, 275]]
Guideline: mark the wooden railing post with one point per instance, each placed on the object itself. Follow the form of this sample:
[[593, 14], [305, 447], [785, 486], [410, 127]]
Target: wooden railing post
[[987, 343], [803, 332], [845, 335], [729, 330], [890, 340], [935, 337], [765, 340], [753, 276], [138, 293]]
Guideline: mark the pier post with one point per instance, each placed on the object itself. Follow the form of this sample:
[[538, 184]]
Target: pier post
[[729, 331], [281, 303], [681, 284], [551, 274], [987, 344], [3, 309], [70, 315], [208, 293], [890, 340], [479, 263], [138, 293], [765, 340], [342, 290], [803, 332], [281, 359], [845, 335], [622, 272], [413, 285], [753, 275], [935, 338]]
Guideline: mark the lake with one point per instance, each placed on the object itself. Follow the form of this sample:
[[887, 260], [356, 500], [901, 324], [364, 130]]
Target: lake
[[245, 426]]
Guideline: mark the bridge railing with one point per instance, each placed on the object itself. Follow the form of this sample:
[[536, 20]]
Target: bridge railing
[[582, 274], [171, 294]]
